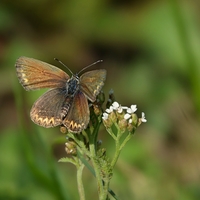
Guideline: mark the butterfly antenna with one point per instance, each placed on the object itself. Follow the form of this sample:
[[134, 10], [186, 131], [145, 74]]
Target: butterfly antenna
[[98, 61], [64, 65]]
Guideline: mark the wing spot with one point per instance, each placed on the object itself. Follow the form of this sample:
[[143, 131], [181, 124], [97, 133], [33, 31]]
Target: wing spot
[[98, 88], [74, 127], [25, 80], [45, 122]]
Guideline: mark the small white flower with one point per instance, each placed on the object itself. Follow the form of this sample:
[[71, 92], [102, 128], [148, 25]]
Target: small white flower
[[109, 110], [120, 109], [127, 116], [143, 117], [115, 105], [132, 109], [105, 116], [124, 107], [130, 121]]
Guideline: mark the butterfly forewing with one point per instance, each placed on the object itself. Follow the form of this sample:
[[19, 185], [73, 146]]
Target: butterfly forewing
[[34, 74], [48, 110], [92, 82], [78, 116]]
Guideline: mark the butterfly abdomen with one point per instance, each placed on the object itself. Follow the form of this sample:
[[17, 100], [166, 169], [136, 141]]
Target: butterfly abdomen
[[66, 107]]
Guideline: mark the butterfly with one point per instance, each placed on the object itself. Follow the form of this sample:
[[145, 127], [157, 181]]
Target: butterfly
[[66, 103]]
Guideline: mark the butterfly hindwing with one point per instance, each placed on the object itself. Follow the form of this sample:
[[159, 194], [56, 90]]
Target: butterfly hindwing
[[48, 110], [91, 83], [78, 115], [34, 74]]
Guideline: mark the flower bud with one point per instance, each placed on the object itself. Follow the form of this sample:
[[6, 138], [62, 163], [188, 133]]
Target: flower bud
[[112, 116], [63, 129], [122, 124], [70, 147], [142, 119], [131, 128], [97, 109], [99, 143], [107, 123], [111, 99], [134, 119]]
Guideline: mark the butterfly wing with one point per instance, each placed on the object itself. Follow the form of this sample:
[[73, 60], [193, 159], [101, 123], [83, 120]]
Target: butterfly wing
[[91, 83], [78, 115], [48, 110], [34, 74]]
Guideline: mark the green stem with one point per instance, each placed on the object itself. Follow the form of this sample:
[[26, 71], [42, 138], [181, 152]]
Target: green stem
[[80, 182], [125, 141], [111, 133], [118, 147], [117, 152], [93, 157], [101, 191], [102, 187]]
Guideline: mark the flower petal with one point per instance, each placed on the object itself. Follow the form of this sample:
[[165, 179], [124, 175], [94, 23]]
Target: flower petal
[[127, 116], [115, 105], [105, 116], [143, 117]]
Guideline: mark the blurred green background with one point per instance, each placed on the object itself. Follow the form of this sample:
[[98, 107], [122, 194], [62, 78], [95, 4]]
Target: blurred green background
[[151, 50]]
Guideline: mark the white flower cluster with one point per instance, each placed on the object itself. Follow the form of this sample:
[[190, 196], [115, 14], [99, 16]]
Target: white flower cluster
[[118, 108]]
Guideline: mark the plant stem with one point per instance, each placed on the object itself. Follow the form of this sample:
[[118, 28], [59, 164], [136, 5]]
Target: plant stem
[[102, 188], [117, 147], [80, 182], [128, 137], [102, 193], [117, 152]]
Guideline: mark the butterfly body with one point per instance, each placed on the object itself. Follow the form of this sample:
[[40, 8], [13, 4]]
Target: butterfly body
[[72, 85], [66, 103]]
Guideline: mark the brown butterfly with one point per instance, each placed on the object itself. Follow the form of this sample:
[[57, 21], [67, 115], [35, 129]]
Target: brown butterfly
[[67, 102]]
